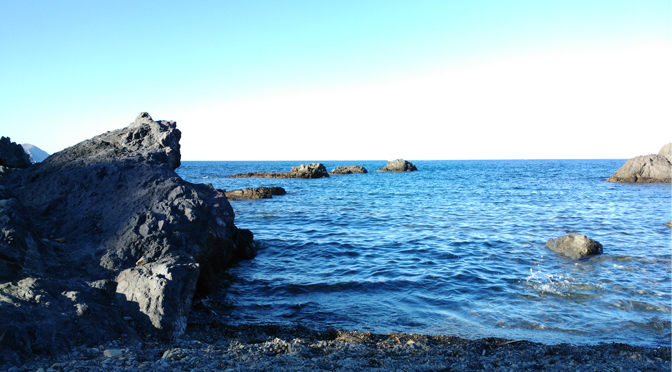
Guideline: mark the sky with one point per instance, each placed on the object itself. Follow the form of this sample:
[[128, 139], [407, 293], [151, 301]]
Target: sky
[[345, 80]]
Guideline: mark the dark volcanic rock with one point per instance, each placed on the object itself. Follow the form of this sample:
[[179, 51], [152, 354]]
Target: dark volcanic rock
[[574, 246], [255, 193], [74, 226], [399, 165], [349, 169], [646, 169], [12, 154], [315, 170]]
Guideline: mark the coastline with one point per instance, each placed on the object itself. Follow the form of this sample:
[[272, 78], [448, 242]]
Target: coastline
[[211, 345]]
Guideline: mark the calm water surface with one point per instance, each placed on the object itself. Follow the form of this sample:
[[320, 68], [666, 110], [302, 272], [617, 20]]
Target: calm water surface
[[455, 248]]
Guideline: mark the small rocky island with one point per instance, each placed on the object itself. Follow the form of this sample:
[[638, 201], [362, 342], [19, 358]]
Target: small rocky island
[[104, 239], [399, 165], [349, 169], [315, 170], [655, 168]]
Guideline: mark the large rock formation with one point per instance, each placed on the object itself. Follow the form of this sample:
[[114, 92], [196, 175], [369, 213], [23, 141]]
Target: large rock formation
[[35, 153], [574, 246], [399, 165], [349, 169], [75, 225], [12, 154], [647, 168], [315, 170], [255, 193]]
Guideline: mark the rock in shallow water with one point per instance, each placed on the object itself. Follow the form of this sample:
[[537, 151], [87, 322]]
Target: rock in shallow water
[[255, 193], [399, 165], [646, 169], [574, 246], [349, 169]]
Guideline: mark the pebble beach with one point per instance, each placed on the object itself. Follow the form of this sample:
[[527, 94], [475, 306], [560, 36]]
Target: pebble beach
[[211, 345]]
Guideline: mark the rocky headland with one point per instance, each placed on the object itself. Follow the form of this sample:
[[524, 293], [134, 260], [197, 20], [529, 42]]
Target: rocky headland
[[315, 170], [255, 193], [104, 239], [35, 153], [398, 165], [349, 169], [653, 168]]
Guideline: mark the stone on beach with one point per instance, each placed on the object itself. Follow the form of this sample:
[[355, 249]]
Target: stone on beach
[[574, 246], [398, 165], [86, 216], [646, 169], [349, 169]]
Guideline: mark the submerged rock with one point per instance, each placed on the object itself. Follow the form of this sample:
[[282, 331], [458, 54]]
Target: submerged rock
[[75, 225], [646, 169], [315, 170], [349, 169], [574, 246], [399, 165], [255, 193]]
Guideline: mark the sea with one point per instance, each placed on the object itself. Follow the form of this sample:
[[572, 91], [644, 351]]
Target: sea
[[456, 248]]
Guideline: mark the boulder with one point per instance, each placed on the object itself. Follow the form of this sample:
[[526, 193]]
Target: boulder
[[75, 225], [349, 169], [646, 169], [315, 170], [255, 193], [12, 154], [574, 246], [669, 224], [399, 165]]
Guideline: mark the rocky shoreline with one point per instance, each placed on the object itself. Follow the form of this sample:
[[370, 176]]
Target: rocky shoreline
[[210, 345]]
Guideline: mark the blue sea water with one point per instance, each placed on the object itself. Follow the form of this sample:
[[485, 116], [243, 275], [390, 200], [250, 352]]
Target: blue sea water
[[456, 248]]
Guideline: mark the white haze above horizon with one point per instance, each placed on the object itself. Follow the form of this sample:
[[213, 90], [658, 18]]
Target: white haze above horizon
[[345, 80]]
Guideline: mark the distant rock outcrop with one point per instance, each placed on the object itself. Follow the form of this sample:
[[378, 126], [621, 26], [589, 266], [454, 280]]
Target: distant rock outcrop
[[35, 153], [647, 168], [399, 165], [315, 170], [349, 169], [12, 154], [106, 231], [255, 193], [574, 246]]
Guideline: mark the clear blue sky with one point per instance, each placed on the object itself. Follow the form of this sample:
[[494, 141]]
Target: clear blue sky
[[328, 80]]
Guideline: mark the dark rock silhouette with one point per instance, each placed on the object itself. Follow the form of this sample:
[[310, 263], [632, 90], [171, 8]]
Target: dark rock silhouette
[[399, 165], [255, 193], [574, 246], [349, 169], [75, 225], [315, 170], [12, 154], [647, 168]]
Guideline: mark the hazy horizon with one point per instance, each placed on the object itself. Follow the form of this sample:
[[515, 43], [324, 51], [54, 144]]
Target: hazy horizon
[[345, 80]]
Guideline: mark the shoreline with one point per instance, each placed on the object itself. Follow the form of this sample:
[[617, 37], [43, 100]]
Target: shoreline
[[211, 345]]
